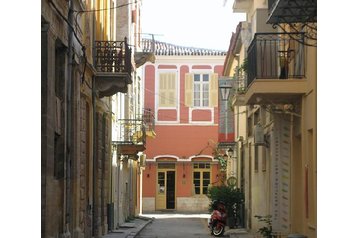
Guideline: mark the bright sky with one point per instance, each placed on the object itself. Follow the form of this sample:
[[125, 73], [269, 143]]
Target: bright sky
[[195, 23]]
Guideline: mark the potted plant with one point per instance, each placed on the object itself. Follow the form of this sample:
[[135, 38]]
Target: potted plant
[[265, 231]]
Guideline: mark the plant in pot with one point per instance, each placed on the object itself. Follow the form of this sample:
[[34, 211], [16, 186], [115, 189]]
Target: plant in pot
[[231, 196], [266, 230], [240, 74]]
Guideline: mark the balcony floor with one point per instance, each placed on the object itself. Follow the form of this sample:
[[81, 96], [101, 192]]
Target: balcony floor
[[275, 91]]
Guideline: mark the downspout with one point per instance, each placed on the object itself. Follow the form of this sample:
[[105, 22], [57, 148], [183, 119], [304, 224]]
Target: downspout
[[94, 219], [69, 120], [94, 117], [130, 187]]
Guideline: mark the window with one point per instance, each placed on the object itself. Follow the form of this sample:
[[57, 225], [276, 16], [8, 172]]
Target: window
[[249, 126], [161, 182], [256, 164], [167, 90], [201, 89], [257, 116], [201, 177]]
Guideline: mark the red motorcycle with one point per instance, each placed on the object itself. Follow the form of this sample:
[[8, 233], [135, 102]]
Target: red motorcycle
[[217, 220]]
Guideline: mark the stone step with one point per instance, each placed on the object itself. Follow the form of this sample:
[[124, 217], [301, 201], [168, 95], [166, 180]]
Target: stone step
[[238, 233]]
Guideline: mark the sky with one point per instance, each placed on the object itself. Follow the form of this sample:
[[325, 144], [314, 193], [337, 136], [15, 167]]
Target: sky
[[195, 23]]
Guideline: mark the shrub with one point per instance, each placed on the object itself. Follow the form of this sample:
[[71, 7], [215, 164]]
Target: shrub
[[230, 196]]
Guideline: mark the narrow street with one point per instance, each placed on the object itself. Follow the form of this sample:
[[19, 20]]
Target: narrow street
[[176, 225]]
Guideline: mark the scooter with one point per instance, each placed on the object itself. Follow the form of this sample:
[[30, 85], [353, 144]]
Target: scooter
[[217, 219]]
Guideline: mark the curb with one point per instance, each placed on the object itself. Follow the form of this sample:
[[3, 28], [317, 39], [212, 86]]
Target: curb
[[133, 234]]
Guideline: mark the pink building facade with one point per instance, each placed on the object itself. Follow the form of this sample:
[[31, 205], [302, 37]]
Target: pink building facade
[[181, 88]]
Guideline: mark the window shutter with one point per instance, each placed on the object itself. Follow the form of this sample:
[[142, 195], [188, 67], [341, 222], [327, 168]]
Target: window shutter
[[171, 90], [189, 83], [167, 90], [213, 90], [162, 90]]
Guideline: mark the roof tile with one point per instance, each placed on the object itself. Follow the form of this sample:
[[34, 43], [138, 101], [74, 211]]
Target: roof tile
[[162, 48]]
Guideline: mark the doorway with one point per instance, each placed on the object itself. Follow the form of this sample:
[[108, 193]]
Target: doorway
[[165, 198], [170, 189]]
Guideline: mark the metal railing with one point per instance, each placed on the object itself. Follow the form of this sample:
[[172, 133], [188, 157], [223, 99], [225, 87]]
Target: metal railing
[[148, 119], [240, 83], [113, 56], [133, 131], [275, 56]]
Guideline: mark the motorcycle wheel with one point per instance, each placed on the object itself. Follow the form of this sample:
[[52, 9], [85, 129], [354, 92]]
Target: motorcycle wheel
[[218, 230]]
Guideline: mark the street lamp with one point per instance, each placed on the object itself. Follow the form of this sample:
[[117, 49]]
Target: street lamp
[[225, 92]]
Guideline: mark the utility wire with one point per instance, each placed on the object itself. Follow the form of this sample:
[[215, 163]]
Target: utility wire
[[104, 9], [65, 19], [83, 48]]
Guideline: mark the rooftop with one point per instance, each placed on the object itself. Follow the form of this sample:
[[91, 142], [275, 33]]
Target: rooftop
[[162, 48]]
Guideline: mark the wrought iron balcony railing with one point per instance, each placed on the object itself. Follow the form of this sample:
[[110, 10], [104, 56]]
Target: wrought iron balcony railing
[[130, 132], [148, 119], [292, 11], [240, 84], [275, 56], [299, 16], [134, 131], [113, 57]]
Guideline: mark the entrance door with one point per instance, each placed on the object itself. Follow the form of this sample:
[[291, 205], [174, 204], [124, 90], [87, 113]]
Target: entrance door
[[170, 189], [165, 198]]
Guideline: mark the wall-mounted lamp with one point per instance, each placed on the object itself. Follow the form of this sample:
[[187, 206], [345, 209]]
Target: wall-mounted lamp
[[230, 152], [225, 92], [225, 156]]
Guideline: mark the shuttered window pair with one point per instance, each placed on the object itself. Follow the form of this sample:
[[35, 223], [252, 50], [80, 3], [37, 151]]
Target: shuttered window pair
[[201, 90]]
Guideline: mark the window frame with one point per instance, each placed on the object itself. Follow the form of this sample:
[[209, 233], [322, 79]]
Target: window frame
[[206, 169], [201, 84]]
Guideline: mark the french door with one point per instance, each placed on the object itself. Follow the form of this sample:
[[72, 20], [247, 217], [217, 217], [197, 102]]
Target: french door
[[165, 198]]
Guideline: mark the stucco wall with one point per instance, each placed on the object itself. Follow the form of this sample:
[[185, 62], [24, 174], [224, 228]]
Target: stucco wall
[[183, 204], [148, 204], [193, 204]]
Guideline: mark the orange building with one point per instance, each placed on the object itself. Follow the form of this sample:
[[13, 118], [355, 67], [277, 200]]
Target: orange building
[[181, 89]]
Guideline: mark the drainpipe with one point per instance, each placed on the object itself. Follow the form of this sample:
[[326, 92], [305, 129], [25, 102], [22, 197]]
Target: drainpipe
[[69, 124], [94, 219], [130, 186], [94, 117]]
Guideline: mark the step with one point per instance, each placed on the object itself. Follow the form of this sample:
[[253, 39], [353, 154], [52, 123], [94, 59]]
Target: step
[[238, 233]]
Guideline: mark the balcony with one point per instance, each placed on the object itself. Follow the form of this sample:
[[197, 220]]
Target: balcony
[[292, 11], [276, 67], [131, 133], [113, 66], [242, 6]]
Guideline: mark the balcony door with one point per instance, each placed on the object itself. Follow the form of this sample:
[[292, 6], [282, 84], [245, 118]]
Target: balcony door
[[165, 198]]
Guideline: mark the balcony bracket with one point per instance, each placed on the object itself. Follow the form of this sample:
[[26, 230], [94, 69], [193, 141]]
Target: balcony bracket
[[110, 84], [141, 58]]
